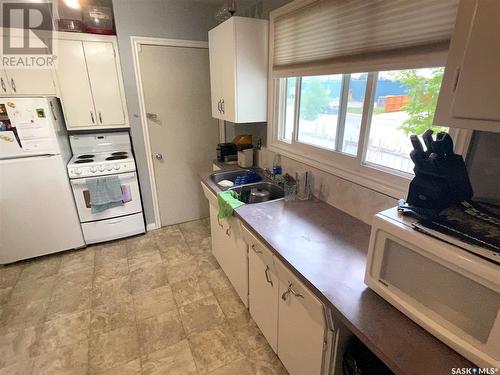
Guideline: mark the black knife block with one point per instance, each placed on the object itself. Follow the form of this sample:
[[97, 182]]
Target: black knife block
[[439, 184]]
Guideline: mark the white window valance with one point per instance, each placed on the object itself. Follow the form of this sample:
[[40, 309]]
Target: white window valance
[[359, 33]]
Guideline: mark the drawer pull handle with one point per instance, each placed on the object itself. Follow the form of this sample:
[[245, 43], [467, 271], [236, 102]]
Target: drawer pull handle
[[3, 85], [268, 278], [290, 289], [256, 250], [228, 231]]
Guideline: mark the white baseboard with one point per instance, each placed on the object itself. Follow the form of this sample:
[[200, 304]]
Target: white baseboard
[[151, 226]]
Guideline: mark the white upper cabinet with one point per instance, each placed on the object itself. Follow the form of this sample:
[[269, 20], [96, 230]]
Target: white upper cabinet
[[238, 70], [74, 85], [4, 83], [104, 80], [470, 92], [90, 83], [25, 81]]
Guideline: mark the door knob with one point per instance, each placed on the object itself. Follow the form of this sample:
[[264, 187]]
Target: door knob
[[158, 156]]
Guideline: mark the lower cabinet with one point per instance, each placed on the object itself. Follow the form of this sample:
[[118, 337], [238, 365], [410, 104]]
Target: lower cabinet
[[303, 340], [263, 292], [295, 323], [230, 250]]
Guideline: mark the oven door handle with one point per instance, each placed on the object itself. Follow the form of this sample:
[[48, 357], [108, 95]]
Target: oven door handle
[[123, 179]]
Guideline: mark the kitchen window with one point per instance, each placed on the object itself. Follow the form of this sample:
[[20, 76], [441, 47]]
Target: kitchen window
[[329, 111], [347, 102]]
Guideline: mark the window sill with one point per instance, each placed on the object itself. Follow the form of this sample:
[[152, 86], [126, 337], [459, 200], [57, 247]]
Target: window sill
[[392, 185]]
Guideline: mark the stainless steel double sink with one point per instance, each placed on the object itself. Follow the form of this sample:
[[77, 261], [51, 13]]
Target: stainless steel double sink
[[275, 191]]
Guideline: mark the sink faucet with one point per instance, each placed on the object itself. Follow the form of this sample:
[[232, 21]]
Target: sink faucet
[[268, 174]]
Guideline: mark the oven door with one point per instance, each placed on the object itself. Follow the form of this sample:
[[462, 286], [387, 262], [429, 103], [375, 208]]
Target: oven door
[[131, 199]]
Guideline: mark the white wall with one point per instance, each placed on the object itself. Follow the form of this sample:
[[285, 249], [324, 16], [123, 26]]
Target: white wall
[[173, 19]]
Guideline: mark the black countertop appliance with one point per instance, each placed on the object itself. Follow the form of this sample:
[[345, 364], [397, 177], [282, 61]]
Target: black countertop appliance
[[440, 175], [227, 152]]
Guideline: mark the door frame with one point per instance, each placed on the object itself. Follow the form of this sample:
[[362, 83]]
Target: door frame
[[137, 42]]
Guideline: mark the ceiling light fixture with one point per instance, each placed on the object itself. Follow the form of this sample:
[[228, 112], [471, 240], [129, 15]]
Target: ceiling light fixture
[[75, 4]]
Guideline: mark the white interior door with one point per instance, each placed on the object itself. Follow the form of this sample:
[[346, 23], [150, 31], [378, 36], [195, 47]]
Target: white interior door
[[74, 84], [182, 132], [103, 74]]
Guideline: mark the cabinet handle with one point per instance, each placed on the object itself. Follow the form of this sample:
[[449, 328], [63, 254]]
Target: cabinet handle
[[268, 278], [3, 85], [92, 117], [100, 117], [219, 106], [228, 231], [255, 250], [218, 222], [13, 84], [222, 106], [290, 289], [457, 76]]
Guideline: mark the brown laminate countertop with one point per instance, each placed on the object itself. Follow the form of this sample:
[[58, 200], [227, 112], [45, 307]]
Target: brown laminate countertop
[[327, 248]]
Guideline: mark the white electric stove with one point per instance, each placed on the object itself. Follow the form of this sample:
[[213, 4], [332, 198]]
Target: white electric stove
[[99, 156]]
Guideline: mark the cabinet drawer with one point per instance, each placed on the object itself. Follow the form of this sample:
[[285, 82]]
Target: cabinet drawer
[[258, 247]]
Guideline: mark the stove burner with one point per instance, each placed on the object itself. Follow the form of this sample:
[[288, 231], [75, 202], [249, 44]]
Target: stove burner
[[116, 157], [84, 161], [85, 156], [119, 153]]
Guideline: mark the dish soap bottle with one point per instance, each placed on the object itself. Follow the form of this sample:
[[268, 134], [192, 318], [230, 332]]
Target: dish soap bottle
[[277, 171]]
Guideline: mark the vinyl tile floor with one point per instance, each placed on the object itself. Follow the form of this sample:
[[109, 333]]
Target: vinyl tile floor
[[152, 304]]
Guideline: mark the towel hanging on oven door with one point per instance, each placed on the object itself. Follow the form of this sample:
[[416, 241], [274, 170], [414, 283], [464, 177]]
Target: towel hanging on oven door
[[105, 192]]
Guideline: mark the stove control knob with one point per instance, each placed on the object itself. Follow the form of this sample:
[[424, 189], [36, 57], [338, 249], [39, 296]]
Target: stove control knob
[[116, 166], [101, 168], [93, 169], [108, 167], [78, 171]]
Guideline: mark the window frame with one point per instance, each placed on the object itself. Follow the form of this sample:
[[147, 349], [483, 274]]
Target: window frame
[[381, 179], [354, 168]]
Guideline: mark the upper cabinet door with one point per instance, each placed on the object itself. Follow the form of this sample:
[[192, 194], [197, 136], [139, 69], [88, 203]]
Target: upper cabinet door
[[470, 92], [477, 94], [105, 83], [238, 70], [30, 81], [4, 83], [74, 85], [215, 72], [227, 65]]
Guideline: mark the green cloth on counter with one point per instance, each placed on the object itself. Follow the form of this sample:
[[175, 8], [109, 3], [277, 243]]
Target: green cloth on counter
[[228, 202]]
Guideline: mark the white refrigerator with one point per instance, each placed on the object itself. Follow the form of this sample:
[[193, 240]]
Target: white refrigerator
[[37, 211]]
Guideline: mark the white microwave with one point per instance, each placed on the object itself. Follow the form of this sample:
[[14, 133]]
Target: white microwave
[[453, 294]]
